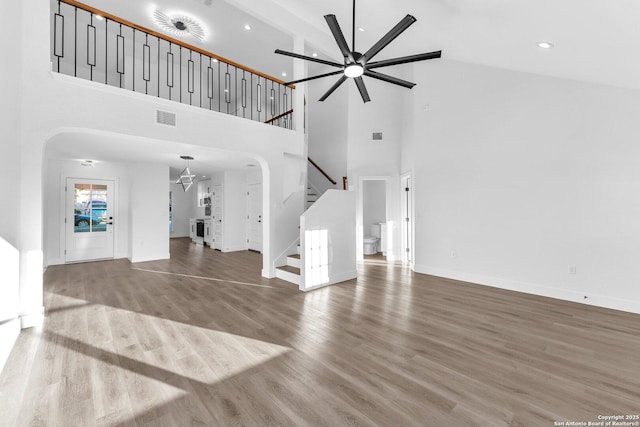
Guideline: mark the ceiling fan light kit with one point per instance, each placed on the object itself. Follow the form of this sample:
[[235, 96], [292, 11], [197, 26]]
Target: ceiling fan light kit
[[357, 64]]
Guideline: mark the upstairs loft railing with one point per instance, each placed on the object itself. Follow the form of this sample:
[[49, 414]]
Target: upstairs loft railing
[[94, 45]]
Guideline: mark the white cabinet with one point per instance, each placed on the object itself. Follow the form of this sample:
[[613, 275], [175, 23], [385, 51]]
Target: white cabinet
[[192, 229], [208, 232]]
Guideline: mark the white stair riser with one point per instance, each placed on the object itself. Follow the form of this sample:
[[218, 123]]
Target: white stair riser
[[293, 262], [289, 277]]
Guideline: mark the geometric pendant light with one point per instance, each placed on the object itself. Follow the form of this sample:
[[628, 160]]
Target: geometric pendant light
[[186, 178]]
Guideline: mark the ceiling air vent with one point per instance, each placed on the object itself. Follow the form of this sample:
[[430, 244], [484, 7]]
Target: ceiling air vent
[[376, 136], [166, 118]]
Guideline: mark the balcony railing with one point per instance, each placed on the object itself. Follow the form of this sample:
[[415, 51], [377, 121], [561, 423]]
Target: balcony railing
[[94, 45]]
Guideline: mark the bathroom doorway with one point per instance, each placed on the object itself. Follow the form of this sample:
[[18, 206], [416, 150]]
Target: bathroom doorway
[[373, 244]]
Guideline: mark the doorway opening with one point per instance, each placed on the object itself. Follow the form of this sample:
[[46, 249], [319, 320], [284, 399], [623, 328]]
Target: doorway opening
[[373, 243]]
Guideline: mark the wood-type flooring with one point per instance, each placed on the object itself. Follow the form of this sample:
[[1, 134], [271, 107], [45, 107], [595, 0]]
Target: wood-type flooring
[[203, 340]]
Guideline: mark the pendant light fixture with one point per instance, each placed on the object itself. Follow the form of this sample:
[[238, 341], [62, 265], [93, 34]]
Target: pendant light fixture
[[186, 177]]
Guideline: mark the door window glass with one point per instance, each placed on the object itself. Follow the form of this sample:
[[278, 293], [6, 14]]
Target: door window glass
[[90, 208]]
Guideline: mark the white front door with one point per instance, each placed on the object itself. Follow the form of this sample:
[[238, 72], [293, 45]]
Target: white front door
[[217, 216], [254, 217], [89, 219]]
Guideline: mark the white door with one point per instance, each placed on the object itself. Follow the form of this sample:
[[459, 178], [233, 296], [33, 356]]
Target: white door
[[217, 216], [254, 217], [89, 219]]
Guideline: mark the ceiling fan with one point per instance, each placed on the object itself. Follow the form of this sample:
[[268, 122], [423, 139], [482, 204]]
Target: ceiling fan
[[357, 64]]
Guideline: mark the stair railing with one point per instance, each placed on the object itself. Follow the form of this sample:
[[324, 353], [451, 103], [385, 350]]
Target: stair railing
[[331, 180], [95, 45]]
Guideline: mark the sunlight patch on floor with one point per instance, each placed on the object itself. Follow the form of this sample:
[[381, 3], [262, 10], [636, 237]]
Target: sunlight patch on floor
[[235, 282]]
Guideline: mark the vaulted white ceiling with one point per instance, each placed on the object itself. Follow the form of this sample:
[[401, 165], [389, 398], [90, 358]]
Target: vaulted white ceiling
[[595, 40]]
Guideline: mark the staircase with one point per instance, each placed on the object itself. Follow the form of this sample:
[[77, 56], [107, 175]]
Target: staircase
[[312, 196], [291, 271]]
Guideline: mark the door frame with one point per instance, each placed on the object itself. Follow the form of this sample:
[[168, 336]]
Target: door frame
[[411, 256], [63, 213]]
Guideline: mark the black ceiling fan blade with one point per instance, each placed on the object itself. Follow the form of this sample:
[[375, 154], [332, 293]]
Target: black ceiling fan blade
[[308, 58], [339, 36], [405, 59], [405, 23], [333, 88], [333, 73], [363, 89], [389, 79]]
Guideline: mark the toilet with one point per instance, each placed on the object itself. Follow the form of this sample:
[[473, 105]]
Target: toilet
[[371, 241]]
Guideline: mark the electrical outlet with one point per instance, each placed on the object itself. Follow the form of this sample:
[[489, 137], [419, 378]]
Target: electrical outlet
[[572, 269]]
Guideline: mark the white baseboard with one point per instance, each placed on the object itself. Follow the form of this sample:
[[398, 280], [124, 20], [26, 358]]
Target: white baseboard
[[342, 277], [9, 331], [535, 289], [149, 258], [177, 235], [235, 248]]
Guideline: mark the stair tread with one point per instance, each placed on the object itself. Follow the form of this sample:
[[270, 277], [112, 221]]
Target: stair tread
[[296, 256], [289, 269]]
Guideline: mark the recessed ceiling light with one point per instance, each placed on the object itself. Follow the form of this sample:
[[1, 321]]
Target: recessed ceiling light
[[361, 29], [87, 163], [284, 74], [314, 54], [215, 60], [545, 45], [99, 17], [247, 27]]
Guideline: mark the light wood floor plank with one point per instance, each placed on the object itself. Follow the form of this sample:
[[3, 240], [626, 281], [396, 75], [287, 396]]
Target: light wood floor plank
[[202, 339]]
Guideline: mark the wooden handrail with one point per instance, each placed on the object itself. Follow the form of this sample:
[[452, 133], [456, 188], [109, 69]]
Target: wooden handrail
[[122, 21], [321, 171], [279, 116]]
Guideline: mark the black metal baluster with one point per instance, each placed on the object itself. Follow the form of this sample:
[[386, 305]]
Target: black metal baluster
[[227, 88], [158, 65], [120, 51], [210, 83], [235, 87], [259, 98], [180, 74], [58, 22], [190, 77], [243, 88], [200, 92], [133, 84], [91, 57], [272, 98], [146, 63], [170, 63], [75, 41], [251, 86], [106, 50]]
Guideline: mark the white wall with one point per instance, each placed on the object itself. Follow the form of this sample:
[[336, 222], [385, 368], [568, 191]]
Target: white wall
[[149, 235], [235, 211], [10, 117], [54, 204], [328, 240], [328, 132], [183, 205], [520, 176], [367, 158], [374, 205]]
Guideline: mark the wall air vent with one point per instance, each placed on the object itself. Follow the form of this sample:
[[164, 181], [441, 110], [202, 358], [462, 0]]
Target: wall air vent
[[376, 136], [166, 118]]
